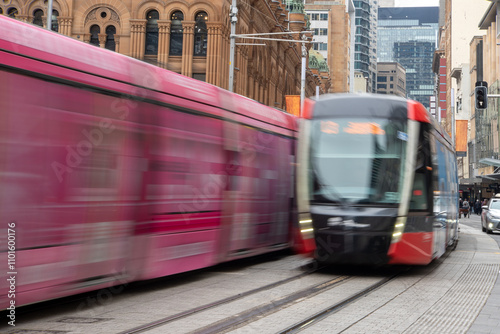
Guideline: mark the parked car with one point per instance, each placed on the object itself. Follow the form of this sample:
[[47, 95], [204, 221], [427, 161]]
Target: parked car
[[490, 216]]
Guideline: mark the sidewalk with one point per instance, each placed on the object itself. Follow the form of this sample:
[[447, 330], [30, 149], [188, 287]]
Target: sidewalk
[[488, 320]]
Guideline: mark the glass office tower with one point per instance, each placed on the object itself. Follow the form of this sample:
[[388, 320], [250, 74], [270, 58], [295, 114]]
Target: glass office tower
[[366, 40], [408, 35]]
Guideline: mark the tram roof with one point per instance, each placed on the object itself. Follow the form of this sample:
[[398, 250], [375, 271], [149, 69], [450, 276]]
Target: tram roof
[[377, 105]]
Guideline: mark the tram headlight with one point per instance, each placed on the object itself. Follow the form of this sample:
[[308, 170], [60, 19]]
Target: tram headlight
[[306, 227], [399, 228]]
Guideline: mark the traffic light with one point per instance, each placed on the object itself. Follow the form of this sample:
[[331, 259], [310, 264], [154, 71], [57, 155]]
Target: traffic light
[[481, 94]]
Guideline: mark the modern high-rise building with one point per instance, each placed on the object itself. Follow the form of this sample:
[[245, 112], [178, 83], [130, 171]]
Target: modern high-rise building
[[386, 3], [391, 79], [408, 35], [373, 42], [332, 24], [366, 41]]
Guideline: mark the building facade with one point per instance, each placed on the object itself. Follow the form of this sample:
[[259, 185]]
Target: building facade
[[190, 37], [460, 30], [373, 43], [365, 41], [360, 83], [391, 79], [416, 57], [486, 144], [332, 25], [408, 35]]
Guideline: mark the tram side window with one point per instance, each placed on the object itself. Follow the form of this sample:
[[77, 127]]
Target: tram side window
[[423, 173]]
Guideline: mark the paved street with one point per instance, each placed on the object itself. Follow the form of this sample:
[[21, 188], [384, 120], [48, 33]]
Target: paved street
[[456, 294], [488, 321]]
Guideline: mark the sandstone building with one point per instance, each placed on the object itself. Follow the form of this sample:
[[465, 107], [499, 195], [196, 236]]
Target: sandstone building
[[191, 37]]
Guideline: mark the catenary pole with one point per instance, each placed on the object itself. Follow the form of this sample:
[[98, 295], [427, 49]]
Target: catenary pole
[[303, 75], [49, 15], [233, 14]]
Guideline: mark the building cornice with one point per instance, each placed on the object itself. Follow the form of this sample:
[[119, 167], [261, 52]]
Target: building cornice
[[489, 16]]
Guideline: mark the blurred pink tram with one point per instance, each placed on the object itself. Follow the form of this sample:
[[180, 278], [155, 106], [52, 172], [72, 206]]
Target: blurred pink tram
[[113, 170]]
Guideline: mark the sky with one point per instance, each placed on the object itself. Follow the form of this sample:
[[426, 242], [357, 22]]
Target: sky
[[417, 3]]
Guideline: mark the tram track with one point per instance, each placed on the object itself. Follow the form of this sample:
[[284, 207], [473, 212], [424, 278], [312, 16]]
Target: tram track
[[317, 317], [246, 317], [270, 307], [164, 321], [310, 321], [305, 300], [308, 299]]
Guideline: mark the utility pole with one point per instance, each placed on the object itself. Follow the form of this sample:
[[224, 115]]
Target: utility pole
[[453, 130], [303, 75], [233, 14], [49, 15], [303, 40]]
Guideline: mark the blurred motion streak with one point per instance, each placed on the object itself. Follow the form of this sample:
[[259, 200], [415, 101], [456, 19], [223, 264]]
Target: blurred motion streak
[[114, 170]]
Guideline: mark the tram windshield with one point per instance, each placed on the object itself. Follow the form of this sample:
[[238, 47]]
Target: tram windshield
[[357, 160]]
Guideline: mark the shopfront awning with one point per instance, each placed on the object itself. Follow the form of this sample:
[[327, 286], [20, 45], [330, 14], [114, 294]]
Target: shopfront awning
[[492, 177], [470, 181], [490, 161]]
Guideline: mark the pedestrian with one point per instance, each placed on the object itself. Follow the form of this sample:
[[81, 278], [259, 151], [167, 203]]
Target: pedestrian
[[484, 203], [477, 207], [466, 208]]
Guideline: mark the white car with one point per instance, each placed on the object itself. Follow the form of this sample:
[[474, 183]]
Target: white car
[[490, 216]]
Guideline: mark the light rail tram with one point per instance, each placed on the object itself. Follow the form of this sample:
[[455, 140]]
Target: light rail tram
[[376, 181], [113, 170]]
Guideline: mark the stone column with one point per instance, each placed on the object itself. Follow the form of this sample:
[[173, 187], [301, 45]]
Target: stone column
[[26, 18], [213, 52], [187, 48], [137, 38], [250, 84], [117, 43], [65, 24], [163, 42], [225, 60], [102, 40]]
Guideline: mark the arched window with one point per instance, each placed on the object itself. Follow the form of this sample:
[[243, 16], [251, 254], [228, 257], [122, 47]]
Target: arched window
[[152, 33], [110, 38], [38, 17], [176, 33], [95, 30], [200, 34], [1, 11], [12, 12], [55, 24]]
